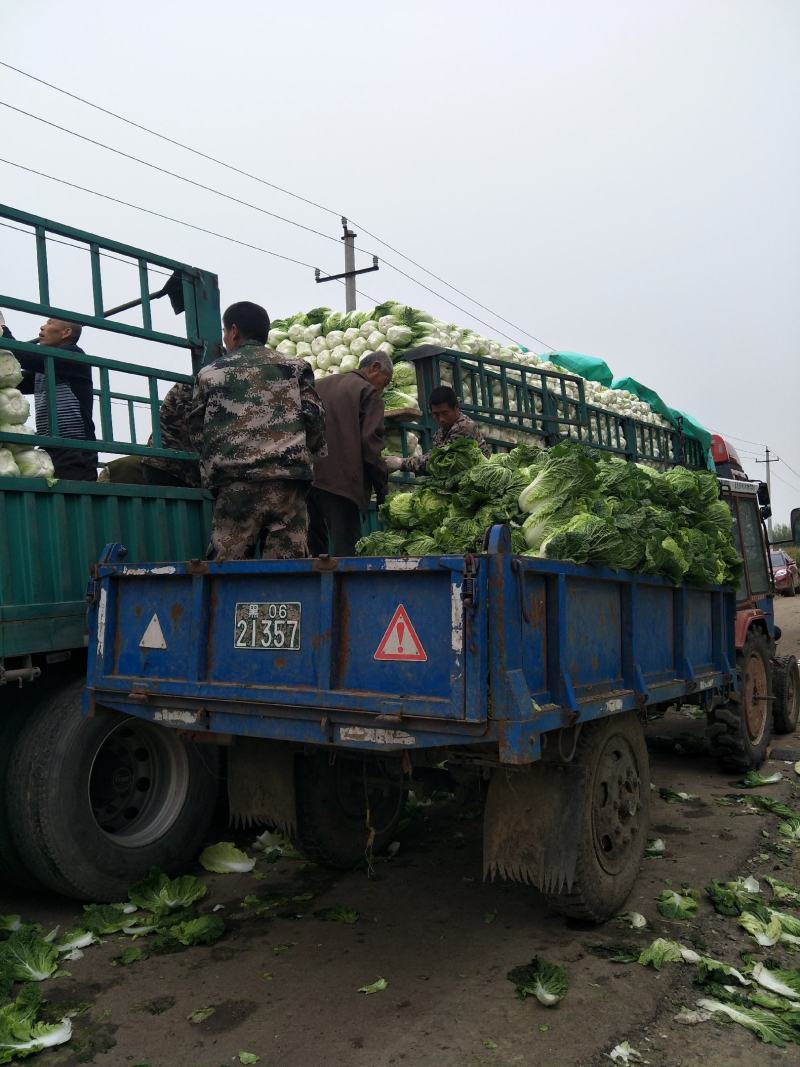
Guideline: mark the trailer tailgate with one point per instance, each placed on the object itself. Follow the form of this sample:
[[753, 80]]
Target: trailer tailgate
[[387, 637]]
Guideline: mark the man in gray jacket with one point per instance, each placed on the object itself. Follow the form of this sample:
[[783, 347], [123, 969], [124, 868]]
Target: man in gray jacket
[[345, 479]]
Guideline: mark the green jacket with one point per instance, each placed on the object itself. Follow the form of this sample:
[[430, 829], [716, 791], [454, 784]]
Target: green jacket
[[255, 416]]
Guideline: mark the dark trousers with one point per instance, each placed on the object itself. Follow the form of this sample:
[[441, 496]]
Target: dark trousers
[[334, 524], [74, 464], [157, 476]]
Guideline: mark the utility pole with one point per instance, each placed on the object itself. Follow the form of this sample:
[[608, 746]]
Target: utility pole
[[350, 272], [770, 458], [349, 239]]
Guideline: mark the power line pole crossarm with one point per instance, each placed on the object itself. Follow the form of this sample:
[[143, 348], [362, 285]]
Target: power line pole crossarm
[[769, 459], [350, 273]]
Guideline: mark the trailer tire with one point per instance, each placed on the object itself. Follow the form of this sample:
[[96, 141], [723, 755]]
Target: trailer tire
[[739, 732], [786, 688], [12, 718], [615, 821], [332, 819], [96, 802]]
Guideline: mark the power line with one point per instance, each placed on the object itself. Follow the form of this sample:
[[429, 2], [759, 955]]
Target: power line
[[794, 488], [170, 173], [794, 472], [169, 140], [296, 196], [746, 440], [157, 214], [81, 248], [245, 203]]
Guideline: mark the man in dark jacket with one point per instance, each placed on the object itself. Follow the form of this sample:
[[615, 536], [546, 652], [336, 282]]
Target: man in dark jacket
[[74, 399], [345, 478]]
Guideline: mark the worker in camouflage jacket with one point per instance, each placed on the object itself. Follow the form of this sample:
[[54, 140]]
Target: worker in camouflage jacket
[[173, 418], [452, 423], [258, 425]]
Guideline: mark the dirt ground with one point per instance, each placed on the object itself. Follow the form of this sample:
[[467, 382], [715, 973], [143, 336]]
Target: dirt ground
[[285, 987]]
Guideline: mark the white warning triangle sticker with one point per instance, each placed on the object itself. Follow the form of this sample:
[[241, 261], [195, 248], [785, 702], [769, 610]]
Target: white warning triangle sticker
[[153, 637], [400, 642]]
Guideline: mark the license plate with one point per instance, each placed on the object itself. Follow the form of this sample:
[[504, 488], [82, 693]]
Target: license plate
[[273, 625]]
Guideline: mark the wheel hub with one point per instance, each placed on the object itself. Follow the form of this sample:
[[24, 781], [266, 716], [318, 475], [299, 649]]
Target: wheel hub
[[616, 805], [138, 783]]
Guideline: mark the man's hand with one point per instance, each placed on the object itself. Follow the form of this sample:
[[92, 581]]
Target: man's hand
[[393, 463]]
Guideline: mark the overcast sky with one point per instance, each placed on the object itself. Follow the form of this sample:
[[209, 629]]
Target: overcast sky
[[617, 178]]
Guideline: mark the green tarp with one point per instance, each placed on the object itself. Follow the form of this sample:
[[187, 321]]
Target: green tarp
[[691, 428], [592, 368]]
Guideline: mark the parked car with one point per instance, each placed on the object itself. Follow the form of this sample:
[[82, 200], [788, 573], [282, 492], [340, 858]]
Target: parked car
[[787, 573]]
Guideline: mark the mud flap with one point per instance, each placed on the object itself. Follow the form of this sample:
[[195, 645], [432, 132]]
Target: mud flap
[[533, 824], [261, 784]]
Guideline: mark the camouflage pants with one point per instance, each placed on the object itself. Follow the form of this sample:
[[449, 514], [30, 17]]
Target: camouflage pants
[[272, 514]]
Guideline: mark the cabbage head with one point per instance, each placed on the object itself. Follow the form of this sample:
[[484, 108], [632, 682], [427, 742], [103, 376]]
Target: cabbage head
[[586, 538], [569, 472], [35, 463], [663, 555], [487, 481], [8, 468], [405, 376], [420, 544], [547, 520], [10, 370], [457, 535], [14, 407], [449, 462], [10, 427], [428, 509], [398, 511], [382, 543], [395, 400], [716, 517]]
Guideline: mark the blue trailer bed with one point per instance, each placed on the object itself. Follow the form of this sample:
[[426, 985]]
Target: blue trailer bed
[[335, 683], [395, 654]]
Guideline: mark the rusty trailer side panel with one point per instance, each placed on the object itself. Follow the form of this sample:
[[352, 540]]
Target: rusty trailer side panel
[[396, 654]]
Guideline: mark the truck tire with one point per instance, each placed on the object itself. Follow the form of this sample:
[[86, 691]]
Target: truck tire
[[739, 732], [96, 802], [615, 821], [12, 717], [345, 806], [786, 688]]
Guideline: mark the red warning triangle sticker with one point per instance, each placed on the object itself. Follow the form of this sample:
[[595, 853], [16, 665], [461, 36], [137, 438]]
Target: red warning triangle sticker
[[400, 642]]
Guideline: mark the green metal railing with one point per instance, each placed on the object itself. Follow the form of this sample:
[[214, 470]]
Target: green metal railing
[[191, 291], [513, 403]]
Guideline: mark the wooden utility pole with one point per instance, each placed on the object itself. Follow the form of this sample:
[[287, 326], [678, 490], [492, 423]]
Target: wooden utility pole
[[350, 272]]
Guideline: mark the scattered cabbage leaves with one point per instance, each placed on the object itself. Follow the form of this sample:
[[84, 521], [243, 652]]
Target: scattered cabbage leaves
[[226, 858], [22, 1034], [159, 894], [545, 981]]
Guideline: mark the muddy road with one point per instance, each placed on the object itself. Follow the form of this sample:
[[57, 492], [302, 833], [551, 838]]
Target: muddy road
[[283, 984]]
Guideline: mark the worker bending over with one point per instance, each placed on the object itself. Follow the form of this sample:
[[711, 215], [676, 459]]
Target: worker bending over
[[345, 479], [258, 425], [452, 422]]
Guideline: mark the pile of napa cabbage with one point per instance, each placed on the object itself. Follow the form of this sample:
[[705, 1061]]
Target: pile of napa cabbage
[[566, 503]]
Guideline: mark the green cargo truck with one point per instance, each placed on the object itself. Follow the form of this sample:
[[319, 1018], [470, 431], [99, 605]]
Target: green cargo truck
[[146, 793]]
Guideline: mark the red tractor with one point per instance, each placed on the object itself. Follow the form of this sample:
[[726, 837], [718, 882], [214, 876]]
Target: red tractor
[[768, 697]]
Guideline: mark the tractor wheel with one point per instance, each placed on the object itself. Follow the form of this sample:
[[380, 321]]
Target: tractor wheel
[[739, 732], [786, 686], [614, 824], [346, 807]]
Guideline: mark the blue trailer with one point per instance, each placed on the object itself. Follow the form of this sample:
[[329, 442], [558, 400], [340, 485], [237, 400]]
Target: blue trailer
[[334, 683]]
